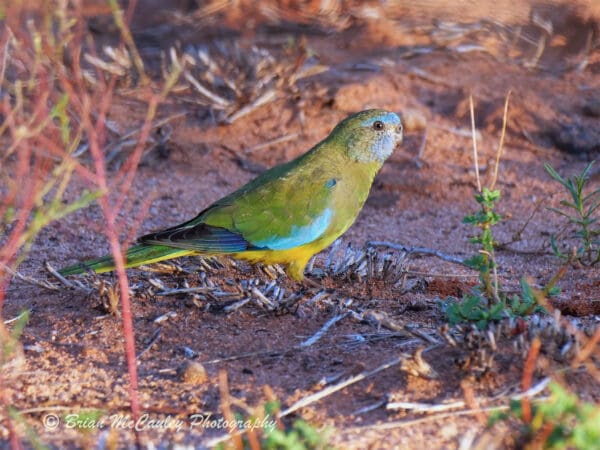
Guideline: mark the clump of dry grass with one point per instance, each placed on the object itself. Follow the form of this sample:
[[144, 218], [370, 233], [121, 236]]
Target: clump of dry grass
[[54, 102]]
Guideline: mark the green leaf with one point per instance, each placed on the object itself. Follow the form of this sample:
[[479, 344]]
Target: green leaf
[[554, 174], [10, 344]]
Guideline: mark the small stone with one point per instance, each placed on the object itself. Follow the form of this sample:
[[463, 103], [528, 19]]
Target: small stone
[[413, 120], [192, 372]]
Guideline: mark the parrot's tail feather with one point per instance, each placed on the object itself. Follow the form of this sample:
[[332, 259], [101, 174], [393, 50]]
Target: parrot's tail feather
[[136, 256]]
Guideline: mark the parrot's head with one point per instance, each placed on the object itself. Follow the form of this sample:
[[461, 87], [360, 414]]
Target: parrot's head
[[371, 135]]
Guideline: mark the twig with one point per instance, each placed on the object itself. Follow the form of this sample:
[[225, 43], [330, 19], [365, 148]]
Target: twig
[[192, 290], [5, 53], [580, 67], [262, 299], [440, 407], [422, 147], [272, 353], [126, 139], [471, 401], [474, 138], [28, 279], [14, 319], [587, 349], [463, 132], [237, 305], [337, 387], [429, 77], [517, 236], [369, 408], [434, 417], [265, 98], [501, 143], [440, 275], [279, 140], [534, 390], [406, 423], [227, 412], [418, 250], [121, 23], [165, 316], [319, 334], [425, 407], [541, 46], [76, 284], [218, 102], [153, 340], [381, 319]]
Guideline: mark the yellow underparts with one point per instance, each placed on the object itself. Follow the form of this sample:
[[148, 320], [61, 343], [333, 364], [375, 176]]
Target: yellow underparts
[[295, 259]]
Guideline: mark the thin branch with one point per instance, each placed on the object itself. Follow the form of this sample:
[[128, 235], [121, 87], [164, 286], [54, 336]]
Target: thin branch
[[319, 334], [75, 284], [530, 393], [432, 418], [279, 140], [426, 407], [153, 340], [474, 137], [28, 279], [418, 250], [14, 319], [265, 98], [337, 387], [501, 144]]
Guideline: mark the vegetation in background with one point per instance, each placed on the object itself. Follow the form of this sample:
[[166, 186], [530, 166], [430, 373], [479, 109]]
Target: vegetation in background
[[560, 421], [489, 302], [54, 106], [299, 436], [581, 210]]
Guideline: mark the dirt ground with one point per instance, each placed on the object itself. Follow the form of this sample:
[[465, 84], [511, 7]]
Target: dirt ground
[[423, 63]]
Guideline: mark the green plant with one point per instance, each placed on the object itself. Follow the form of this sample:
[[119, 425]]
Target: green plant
[[485, 219], [488, 302], [475, 308], [561, 421], [10, 341], [581, 211], [265, 432], [300, 436], [54, 108]]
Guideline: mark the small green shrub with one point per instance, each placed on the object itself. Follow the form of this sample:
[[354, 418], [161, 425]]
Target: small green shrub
[[561, 421], [581, 210], [487, 302]]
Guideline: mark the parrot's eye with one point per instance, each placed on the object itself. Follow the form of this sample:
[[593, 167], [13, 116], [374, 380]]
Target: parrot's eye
[[378, 125]]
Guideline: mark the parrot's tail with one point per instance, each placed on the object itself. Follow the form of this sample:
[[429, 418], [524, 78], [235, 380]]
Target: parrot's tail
[[136, 256]]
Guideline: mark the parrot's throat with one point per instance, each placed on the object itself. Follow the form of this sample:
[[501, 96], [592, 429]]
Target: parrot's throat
[[365, 150]]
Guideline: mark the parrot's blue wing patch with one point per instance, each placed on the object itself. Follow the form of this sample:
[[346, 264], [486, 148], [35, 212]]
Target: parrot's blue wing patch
[[202, 238], [299, 235]]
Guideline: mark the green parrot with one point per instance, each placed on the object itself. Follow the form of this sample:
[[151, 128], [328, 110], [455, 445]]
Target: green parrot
[[289, 212]]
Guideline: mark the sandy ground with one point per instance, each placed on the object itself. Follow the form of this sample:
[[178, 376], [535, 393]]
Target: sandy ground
[[74, 346]]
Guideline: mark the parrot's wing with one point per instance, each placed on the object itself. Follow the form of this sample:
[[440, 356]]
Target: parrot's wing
[[283, 213], [280, 213], [201, 237]]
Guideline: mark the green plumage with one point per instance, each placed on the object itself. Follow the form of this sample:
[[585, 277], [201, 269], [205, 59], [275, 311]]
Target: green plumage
[[288, 213], [136, 255]]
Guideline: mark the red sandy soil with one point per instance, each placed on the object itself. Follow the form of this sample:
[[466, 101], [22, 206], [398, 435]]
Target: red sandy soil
[[74, 348]]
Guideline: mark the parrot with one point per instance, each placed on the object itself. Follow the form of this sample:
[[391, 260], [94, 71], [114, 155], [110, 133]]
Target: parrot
[[287, 213]]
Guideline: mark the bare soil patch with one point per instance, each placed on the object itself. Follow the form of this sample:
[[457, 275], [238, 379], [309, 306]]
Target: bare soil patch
[[403, 61]]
